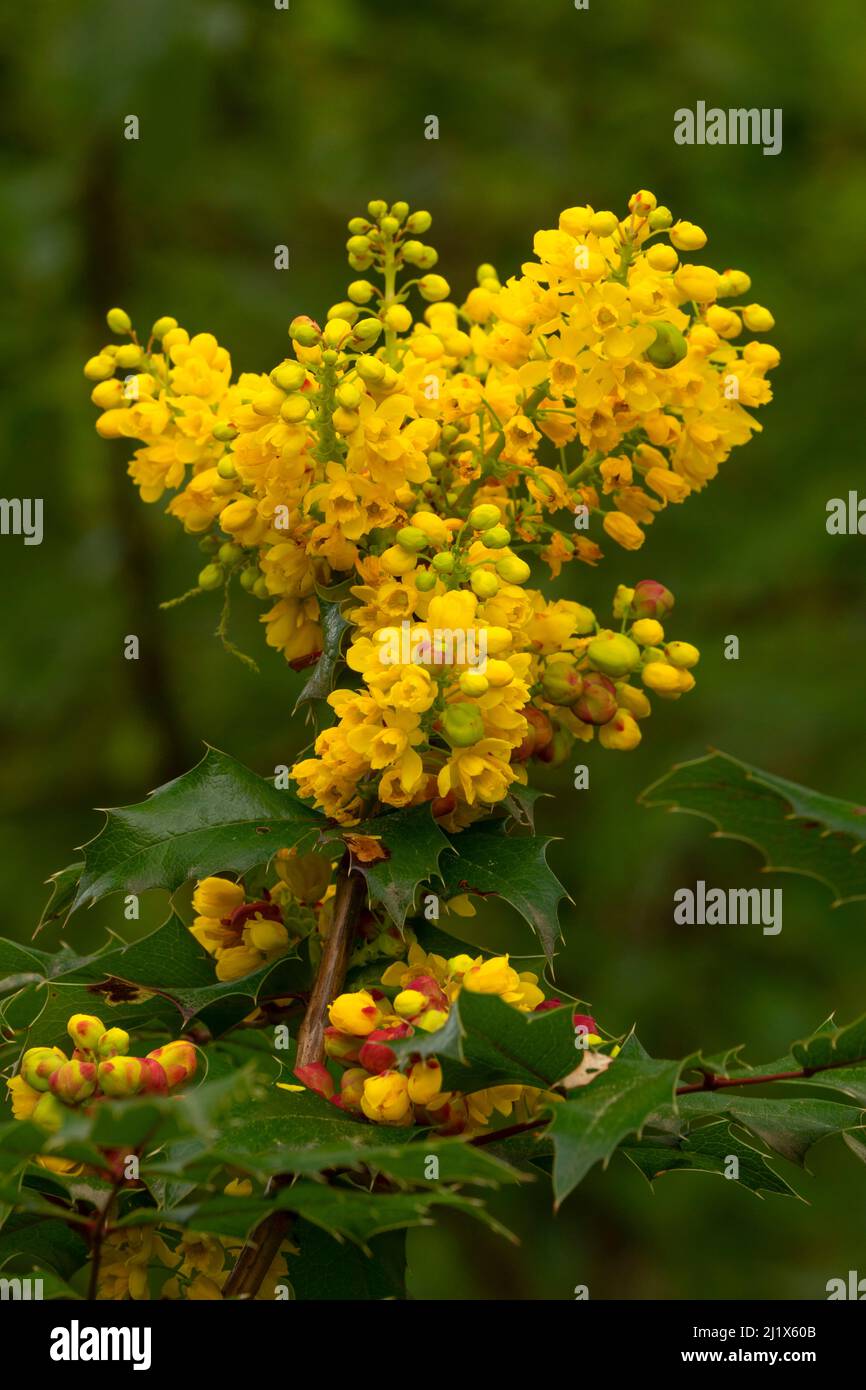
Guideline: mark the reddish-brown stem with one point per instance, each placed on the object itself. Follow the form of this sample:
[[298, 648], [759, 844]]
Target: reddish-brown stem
[[262, 1246], [711, 1082]]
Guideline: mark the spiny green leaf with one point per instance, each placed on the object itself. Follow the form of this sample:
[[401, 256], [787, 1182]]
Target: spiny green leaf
[[708, 1150], [588, 1126], [796, 829], [789, 1127], [322, 678], [413, 843], [513, 867], [64, 884], [218, 816]]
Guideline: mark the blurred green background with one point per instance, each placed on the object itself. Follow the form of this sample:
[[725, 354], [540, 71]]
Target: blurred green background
[[262, 126]]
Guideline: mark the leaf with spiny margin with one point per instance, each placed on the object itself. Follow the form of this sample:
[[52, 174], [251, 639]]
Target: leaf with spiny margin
[[298, 1132], [352, 1212], [708, 1150], [412, 842], [219, 816], [592, 1123], [64, 884], [323, 676], [40, 1012], [798, 830], [789, 1127], [513, 867], [487, 1042]]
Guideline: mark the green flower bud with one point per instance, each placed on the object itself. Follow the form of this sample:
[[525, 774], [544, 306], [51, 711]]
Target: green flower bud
[[366, 332], [512, 569], [562, 683], [226, 468], [361, 291], [443, 562], [426, 261], [361, 262], [335, 332], [305, 331], [229, 553], [481, 518], [419, 222], [348, 395], [496, 537], [211, 577], [614, 654], [462, 725], [358, 226], [224, 432], [412, 538], [344, 310], [413, 252], [48, 1114], [486, 272], [484, 583], [39, 1064], [358, 245], [400, 210], [370, 369], [118, 320], [669, 348], [113, 1043], [249, 577], [209, 545], [260, 588], [390, 226], [163, 326], [449, 433], [425, 580], [377, 208], [289, 376], [660, 219]]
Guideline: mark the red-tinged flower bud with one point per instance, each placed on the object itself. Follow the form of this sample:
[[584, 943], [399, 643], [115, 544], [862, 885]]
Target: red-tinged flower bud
[[342, 1047], [651, 600], [375, 1055], [547, 1004], [39, 1064], [541, 726], [584, 1021], [153, 1078], [561, 682], [431, 989], [352, 1087], [597, 704], [119, 1076], [316, 1077], [443, 805], [178, 1060], [452, 1118], [48, 1114], [425, 1081], [114, 1043], [85, 1030], [74, 1082]]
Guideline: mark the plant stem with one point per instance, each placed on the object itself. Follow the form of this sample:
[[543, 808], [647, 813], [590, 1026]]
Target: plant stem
[[262, 1247], [711, 1082]]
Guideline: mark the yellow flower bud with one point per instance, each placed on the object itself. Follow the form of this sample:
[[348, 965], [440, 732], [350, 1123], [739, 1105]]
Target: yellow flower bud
[[370, 369], [685, 236], [163, 326], [648, 632], [697, 282], [512, 569], [217, 897], [662, 258], [398, 318], [85, 1030], [397, 560], [493, 976], [425, 1081], [113, 1043], [118, 320], [603, 223], [758, 319], [498, 673], [128, 356], [484, 583], [483, 517], [409, 1003], [355, 1013], [621, 732], [433, 288], [682, 654], [431, 1020], [99, 368], [386, 1099], [473, 683], [660, 677]]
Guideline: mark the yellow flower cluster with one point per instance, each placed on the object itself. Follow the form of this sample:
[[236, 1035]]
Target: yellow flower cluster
[[364, 1024], [412, 468]]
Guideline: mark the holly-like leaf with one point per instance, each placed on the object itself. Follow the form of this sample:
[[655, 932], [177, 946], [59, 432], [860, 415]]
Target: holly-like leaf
[[64, 884], [486, 1042], [404, 849], [796, 829], [789, 1127], [323, 676], [590, 1125], [513, 867], [218, 816], [708, 1149]]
